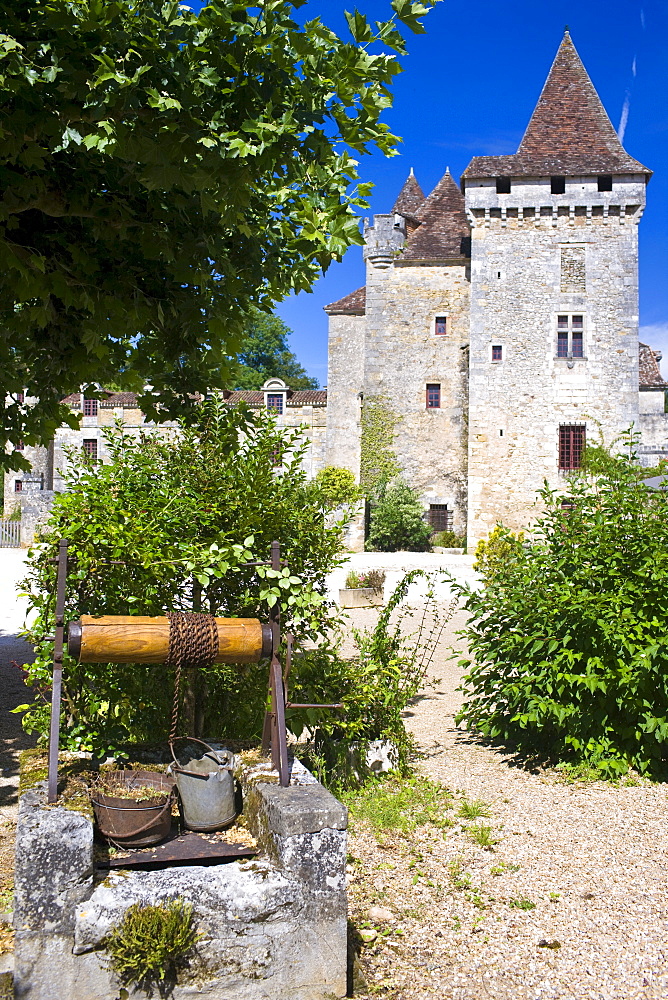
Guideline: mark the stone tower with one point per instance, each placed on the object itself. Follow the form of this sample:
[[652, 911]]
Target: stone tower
[[402, 340], [554, 298]]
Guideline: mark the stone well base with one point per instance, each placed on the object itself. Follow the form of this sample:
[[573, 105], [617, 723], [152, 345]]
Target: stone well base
[[272, 928]]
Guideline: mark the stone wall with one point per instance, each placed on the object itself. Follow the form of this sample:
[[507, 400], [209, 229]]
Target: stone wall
[[403, 354], [519, 244], [345, 385], [272, 927]]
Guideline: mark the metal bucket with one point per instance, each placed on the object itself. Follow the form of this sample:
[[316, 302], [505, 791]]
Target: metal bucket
[[206, 787], [135, 823]]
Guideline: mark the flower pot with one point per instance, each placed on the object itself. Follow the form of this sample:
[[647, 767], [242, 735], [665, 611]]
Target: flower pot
[[134, 822], [361, 597]]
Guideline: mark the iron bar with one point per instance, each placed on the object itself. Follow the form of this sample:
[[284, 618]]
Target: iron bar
[[54, 734]]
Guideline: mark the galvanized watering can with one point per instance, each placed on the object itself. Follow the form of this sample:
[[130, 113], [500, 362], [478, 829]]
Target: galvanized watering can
[[206, 787]]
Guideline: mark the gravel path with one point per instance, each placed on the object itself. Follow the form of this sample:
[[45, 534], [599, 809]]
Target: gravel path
[[571, 903]]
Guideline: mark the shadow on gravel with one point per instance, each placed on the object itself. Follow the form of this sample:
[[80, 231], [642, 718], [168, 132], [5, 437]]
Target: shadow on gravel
[[13, 692]]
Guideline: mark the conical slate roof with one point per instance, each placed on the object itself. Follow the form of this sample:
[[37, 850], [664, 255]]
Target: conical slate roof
[[569, 133], [410, 198], [444, 231]]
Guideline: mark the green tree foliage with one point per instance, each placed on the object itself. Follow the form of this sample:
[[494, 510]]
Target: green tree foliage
[[397, 521], [337, 486], [570, 631], [167, 525], [266, 354], [162, 171], [493, 554], [378, 462]]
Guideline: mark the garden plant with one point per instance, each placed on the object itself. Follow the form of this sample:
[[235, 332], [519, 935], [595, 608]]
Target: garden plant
[[569, 632]]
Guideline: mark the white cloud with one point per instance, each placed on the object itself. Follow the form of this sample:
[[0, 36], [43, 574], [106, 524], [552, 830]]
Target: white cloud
[[656, 335]]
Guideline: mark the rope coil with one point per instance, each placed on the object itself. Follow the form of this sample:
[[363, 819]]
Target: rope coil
[[193, 642]]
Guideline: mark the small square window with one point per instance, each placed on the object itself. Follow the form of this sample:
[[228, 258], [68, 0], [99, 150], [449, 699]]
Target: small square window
[[19, 446], [275, 402], [497, 352], [605, 182], [577, 322], [433, 395], [441, 325], [90, 407], [89, 446], [562, 322], [18, 486], [557, 185], [503, 185], [20, 397]]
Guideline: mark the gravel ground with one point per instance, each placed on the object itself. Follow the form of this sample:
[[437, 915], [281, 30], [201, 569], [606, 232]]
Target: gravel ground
[[571, 902]]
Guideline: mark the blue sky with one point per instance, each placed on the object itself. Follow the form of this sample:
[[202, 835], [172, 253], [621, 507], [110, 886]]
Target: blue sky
[[468, 88]]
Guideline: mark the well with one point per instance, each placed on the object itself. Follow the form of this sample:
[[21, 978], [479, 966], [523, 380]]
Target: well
[[272, 927]]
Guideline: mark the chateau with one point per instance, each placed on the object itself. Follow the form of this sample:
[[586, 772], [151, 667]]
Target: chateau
[[499, 321], [498, 326]]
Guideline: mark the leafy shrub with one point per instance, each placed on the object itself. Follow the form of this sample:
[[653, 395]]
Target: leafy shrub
[[570, 632], [373, 578], [397, 521], [151, 944], [337, 486], [448, 540], [375, 685], [493, 554], [168, 524]]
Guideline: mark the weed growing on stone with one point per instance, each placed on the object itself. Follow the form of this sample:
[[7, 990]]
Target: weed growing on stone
[[151, 944], [483, 836]]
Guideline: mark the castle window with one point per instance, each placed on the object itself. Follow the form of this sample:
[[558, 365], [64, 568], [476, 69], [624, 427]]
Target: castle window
[[20, 397], [90, 407], [605, 182], [277, 455], [439, 518], [558, 185], [433, 395], [570, 336], [441, 325], [497, 352], [572, 438], [89, 446], [19, 446], [503, 185], [18, 486], [275, 401]]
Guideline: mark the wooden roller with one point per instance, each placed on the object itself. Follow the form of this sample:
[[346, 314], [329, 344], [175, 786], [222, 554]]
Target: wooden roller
[[130, 639]]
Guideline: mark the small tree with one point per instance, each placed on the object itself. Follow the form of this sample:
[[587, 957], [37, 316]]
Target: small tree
[[397, 521]]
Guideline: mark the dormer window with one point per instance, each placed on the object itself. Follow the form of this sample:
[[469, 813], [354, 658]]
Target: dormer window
[[275, 402], [503, 185], [558, 185], [90, 407], [275, 395], [605, 182]]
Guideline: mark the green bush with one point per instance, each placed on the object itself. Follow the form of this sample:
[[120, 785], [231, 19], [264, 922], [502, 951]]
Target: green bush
[[570, 631], [493, 554], [397, 521], [167, 524], [375, 685], [448, 540], [337, 486]]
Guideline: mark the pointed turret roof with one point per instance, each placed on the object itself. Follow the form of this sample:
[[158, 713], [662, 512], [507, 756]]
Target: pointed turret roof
[[444, 231], [569, 133], [410, 197]]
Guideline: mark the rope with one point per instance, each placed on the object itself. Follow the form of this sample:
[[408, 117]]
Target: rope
[[193, 642]]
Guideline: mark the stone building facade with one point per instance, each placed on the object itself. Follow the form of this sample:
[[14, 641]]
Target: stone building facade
[[32, 493], [500, 318]]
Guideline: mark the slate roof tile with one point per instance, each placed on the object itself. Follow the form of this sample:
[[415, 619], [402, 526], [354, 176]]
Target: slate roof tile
[[444, 231], [353, 304], [410, 198], [649, 373]]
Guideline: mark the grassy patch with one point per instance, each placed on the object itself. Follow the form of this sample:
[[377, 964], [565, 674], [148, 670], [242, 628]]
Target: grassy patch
[[522, 904], [400, 804], [483, 836], [473, 810]]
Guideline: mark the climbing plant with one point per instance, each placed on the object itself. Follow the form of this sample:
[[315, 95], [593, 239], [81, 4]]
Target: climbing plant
[[378, 462]]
